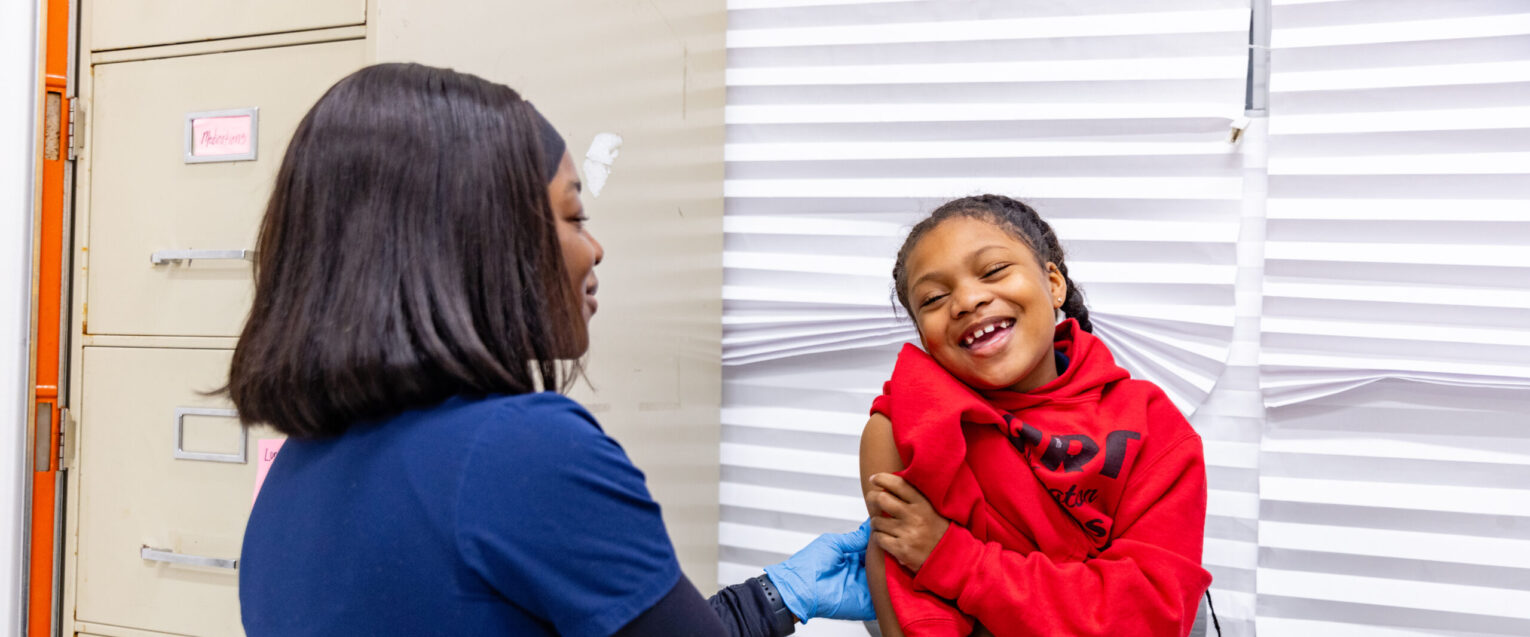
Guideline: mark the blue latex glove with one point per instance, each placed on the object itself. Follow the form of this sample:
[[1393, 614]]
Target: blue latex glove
[[827, 578]]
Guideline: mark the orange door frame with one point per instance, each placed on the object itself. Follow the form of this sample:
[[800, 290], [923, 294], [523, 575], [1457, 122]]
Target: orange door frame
[[49, 326]]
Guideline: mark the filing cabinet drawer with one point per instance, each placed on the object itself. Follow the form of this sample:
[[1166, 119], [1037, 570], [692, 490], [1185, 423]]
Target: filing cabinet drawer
[[120, 24], [147, 199], [167, 481]]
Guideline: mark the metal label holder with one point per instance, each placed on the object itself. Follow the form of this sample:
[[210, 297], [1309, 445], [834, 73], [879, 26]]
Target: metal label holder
[[241, 457], [253, 112]]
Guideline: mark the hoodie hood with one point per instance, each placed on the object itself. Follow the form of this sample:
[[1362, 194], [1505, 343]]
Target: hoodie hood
[[1090, 369]]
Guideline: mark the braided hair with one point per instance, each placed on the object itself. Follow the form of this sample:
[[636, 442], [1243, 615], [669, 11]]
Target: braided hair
[[1021, 221]]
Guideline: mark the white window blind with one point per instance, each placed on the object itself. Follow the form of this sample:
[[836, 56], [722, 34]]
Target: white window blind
[[1395, 473], [848, 121], [1399, 211]]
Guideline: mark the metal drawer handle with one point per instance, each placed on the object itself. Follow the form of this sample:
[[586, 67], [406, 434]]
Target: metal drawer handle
[[169, 256], [171, 557], [181, 453]]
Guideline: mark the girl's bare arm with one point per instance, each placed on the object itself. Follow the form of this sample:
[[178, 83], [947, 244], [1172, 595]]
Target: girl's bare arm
[[879, 454]]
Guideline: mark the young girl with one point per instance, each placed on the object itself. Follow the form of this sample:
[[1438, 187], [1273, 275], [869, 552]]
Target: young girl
[[1043, 491]]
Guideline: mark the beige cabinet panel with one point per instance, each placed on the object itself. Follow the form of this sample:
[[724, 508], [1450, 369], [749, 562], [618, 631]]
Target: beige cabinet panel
[[119, 24], [94, 630], [147, 516], [147, 199]]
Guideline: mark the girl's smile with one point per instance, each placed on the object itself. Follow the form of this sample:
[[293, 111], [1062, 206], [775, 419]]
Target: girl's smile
[[989, 336]]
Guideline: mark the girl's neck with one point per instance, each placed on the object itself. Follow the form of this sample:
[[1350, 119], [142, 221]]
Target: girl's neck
[[1044, 372]]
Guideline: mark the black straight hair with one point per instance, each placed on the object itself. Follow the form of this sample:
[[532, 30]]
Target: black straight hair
[[408, 254], [1016, 218]]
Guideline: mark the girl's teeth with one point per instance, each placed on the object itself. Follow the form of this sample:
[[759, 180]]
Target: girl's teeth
[[980, 332]]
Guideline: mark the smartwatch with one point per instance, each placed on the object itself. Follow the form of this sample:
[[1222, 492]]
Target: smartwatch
[[781, 616]]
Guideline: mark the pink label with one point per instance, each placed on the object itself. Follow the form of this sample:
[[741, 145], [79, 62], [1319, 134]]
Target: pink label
[[265, 451], [217, 136]]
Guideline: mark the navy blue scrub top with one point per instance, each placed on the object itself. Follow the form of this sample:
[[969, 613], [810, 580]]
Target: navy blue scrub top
[[508, 515]]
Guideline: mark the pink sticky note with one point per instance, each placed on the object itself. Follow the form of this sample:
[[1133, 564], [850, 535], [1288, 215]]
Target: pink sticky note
[[265, 450], [216, 136]]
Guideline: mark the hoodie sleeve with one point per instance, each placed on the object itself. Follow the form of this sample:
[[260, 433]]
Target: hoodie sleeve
[[1147, 582], [920, 613]]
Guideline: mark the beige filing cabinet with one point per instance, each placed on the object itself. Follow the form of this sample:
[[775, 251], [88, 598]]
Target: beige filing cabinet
[[160, 475]]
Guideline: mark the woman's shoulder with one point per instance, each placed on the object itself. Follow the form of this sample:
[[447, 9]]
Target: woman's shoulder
[[546, 446], [543, 496], [494, 412], [536, 423]]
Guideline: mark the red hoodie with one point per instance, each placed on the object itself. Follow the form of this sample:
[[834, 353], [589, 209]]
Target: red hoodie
[[1077, 508]]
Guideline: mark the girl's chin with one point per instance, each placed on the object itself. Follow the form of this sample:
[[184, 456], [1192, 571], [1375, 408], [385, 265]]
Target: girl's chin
[[990, 382], [995, 377]]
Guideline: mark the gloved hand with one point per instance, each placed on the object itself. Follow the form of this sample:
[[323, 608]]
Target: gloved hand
[[827, 578]]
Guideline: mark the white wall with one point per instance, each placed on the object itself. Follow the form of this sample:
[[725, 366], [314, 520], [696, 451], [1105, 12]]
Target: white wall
[[18, 131]]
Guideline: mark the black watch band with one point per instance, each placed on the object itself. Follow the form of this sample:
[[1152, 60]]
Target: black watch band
[[781, 616]]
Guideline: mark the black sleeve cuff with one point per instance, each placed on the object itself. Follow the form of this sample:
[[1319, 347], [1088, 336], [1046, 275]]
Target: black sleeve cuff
[[680, 612]]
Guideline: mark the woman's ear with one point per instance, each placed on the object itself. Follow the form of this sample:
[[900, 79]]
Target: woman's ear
[[1057, 284]]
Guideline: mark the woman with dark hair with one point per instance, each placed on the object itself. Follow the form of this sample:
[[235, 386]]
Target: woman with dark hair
[[424, 283]]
